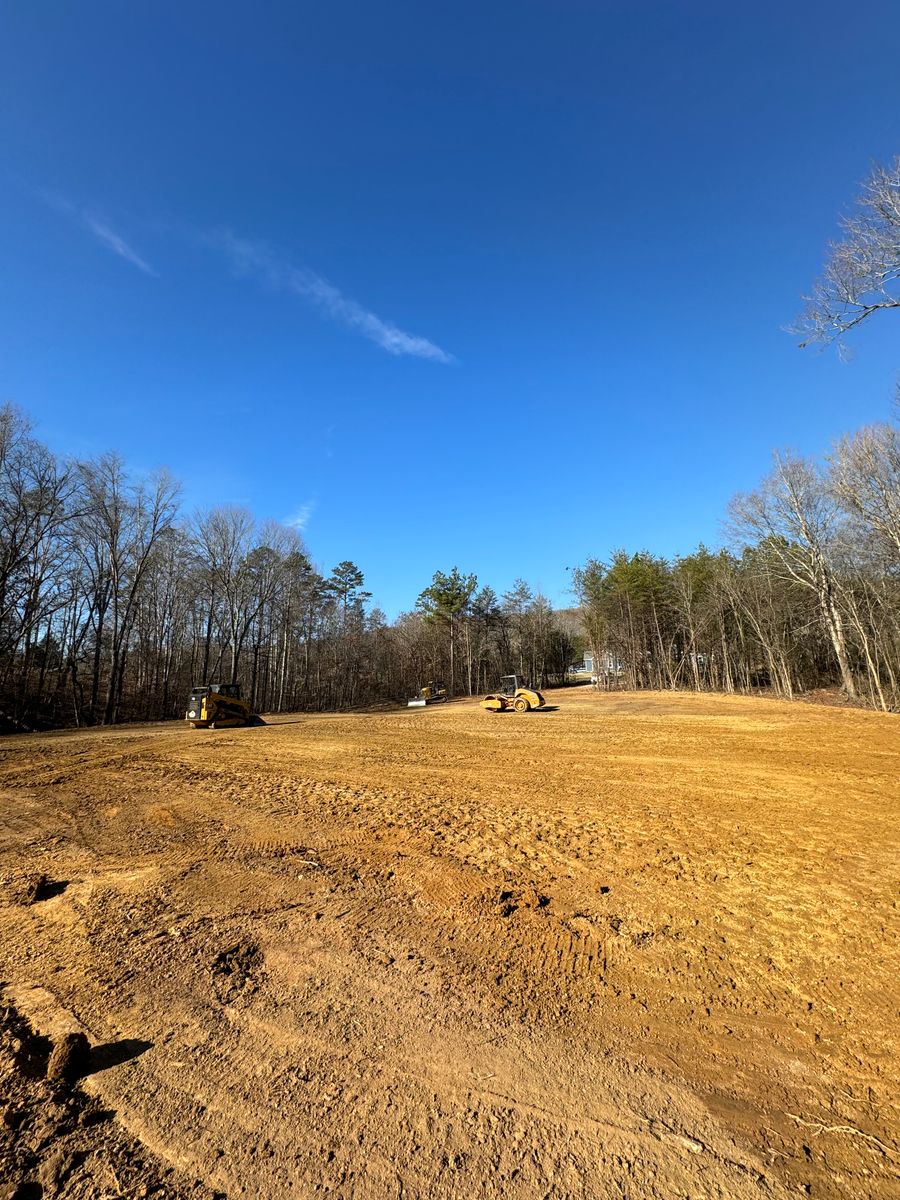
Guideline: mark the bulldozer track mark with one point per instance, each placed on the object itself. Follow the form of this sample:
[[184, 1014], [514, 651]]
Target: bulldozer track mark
[[568, 956], [266, 848], [18, 825], [444, 888]]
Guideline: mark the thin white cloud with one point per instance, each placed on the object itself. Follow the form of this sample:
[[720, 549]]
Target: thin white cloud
[[115, 242], [256, 259], [100, 228], [301, 517]]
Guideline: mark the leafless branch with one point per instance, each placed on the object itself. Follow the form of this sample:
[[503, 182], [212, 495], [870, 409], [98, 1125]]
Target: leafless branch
[[862, 271]]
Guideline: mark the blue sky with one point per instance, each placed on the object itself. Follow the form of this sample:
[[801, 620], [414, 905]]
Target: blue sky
[[494, 285]]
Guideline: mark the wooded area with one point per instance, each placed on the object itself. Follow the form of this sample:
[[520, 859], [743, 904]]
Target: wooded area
[[811, 598], [113, 601]]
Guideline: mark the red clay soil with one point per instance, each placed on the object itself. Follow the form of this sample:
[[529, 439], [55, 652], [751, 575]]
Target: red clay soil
[[633, 946]]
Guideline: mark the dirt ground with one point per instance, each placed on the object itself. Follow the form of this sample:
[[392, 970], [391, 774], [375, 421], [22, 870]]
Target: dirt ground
[[634, 946]]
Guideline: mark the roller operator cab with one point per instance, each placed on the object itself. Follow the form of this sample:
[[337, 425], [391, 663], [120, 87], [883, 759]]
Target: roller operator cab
[[512, 697], [217, 706]]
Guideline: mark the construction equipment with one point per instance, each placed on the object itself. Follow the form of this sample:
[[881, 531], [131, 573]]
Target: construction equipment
[[217, 706], [513, 698], [432, 693]]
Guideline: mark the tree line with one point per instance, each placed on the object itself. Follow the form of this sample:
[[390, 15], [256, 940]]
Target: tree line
[[113, 602], [810, 599]]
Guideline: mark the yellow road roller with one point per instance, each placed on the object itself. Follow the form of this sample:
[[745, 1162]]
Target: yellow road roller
[[513, 698]]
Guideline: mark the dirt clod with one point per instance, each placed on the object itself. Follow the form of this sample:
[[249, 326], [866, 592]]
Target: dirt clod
[[527, 897], [55, 1169], [23, 887], [69, 1058], [235, 970]]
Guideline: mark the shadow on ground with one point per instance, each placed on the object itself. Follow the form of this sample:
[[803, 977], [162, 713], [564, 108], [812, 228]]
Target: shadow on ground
[[113, 1054]]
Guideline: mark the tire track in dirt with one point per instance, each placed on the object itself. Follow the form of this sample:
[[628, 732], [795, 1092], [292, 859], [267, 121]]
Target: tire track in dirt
[[534, 953]]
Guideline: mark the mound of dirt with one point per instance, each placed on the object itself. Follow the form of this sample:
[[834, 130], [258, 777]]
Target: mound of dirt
[[236, 970]]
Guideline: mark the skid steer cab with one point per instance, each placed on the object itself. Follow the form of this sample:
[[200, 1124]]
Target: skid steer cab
[[512, 698], [217, 706]]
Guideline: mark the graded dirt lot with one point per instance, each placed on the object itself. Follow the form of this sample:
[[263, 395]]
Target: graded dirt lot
[[634, 946]]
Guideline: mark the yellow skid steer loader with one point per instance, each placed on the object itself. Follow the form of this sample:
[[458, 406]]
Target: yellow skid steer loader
[[218, 706]]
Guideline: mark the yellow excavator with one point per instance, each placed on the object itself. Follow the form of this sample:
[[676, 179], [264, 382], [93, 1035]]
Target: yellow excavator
[[512, 697], [432, 693], [218, 706]]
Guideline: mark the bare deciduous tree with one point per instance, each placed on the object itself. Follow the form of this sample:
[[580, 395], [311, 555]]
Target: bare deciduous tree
[[122, 521], [862, 271], [865, 473], [794, 514]]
